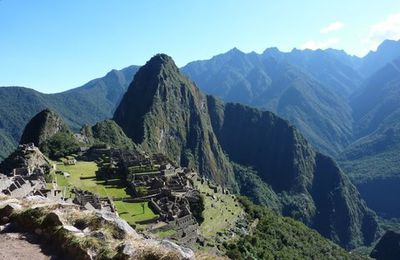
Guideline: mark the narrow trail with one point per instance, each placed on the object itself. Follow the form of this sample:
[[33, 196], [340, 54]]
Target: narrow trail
[[19, 246]]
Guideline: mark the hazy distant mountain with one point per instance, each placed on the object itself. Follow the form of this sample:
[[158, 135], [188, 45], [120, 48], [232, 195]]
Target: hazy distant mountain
[[94, 101], [375, 60], [334, 69], [309, 88], [373, 161]]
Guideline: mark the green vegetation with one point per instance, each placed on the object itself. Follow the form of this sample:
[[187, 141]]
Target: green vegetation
[[309, 89], [134, 212], [252, 186], [221, 211], [60, 145], [276, 237], [178, 128], [303, 183], [88, 104], [83, 176], [49, 132], [143, 168], [166, 233], [108, 132]]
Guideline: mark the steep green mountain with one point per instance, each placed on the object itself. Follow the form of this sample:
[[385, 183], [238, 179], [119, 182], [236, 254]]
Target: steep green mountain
[[305, 87], [310, 186], [43, 127], [373, 161], [163, 111], [49, 132], [277, 237], [88, 104], [107, 132]]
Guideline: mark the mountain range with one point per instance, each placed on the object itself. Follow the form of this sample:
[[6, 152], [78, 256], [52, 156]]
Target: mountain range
[[243, 149], [88, 104], [344, 105]]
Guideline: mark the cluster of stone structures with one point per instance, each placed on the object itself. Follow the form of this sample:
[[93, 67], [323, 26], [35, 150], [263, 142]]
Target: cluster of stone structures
[[91, 201], [154, 179], [23, 174], [166, 188]]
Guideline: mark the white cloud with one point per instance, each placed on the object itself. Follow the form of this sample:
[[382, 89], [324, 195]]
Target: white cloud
[[332, 27], [314, 45], [388, 29]]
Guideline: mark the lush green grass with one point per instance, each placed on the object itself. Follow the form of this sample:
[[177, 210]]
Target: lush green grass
[[83, 176], [133, 212], [166, 233], [219, 213]]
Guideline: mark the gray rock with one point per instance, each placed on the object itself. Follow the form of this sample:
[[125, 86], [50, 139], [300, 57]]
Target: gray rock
[[52, 220], [120, 223], [99, 235], [186, 253], [128, 250], [74, 230]]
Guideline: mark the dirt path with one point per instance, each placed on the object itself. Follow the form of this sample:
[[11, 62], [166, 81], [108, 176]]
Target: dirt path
[[18, 246]]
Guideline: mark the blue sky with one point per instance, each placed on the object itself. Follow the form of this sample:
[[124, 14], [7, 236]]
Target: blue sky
[[52, 45]]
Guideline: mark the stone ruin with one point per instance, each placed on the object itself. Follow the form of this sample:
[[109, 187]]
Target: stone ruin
[[175, 211], [91, 201], [25, 161]]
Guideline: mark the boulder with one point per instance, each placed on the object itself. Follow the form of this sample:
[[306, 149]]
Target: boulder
[[52, 220], [185, 253]]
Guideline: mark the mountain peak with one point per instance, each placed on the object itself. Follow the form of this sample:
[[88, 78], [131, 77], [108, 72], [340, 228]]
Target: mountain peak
[[160, 60], [235, 51], [388, 44], [164, 112], [42, 126]]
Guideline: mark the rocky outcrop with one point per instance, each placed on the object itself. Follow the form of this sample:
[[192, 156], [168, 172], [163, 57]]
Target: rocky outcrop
[[27, 157], [42, 127], [49, 132], [79, 234]]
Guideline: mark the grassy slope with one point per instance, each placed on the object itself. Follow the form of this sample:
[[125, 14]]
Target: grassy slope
[[83, 176], [221, 212]]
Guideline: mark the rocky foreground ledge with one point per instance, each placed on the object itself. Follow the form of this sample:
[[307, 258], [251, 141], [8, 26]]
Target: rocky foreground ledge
[[81, 234]]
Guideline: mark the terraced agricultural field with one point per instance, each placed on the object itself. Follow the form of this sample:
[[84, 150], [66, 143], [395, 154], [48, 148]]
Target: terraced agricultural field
[[221, 210]]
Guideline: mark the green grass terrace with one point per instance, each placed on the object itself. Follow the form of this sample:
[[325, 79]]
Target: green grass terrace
[[82, 175]]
